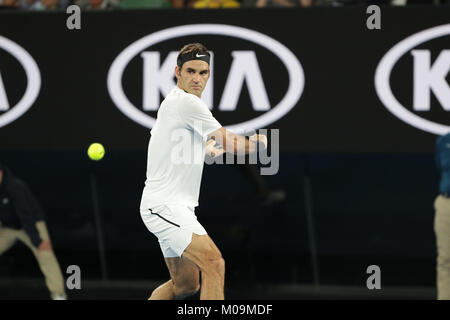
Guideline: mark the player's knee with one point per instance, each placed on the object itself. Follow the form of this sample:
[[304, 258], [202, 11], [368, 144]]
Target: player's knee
[[186, 289]]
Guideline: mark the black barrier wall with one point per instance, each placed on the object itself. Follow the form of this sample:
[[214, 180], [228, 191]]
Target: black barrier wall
[[366, 210], [319, 75]]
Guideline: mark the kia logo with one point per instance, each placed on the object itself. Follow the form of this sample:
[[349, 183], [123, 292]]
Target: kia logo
[[428, 77], [244, 68], [10, 113]]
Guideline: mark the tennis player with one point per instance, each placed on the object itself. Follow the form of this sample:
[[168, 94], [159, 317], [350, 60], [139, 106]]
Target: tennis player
[[172, 187]]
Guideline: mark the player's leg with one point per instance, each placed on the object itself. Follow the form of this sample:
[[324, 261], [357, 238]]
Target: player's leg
[[7, 238], [184, 282], [163, 292], [204, 253], [175, 227], [442, 231], [47, 263]]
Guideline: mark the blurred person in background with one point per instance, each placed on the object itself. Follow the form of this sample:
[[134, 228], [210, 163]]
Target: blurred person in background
[[442, 217], [418, 2], [406, 2], [9, 4], [216, 4], [144, 4], [97, 4], [44, 5], [21, 218], [334, 3], [283, 3], [293, 3]]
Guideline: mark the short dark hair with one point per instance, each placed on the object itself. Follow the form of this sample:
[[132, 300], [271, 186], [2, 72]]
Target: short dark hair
[[189, 51]]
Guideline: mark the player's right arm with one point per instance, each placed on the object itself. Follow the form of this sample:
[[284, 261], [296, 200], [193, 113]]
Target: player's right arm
[[197, 116], [237, 144]]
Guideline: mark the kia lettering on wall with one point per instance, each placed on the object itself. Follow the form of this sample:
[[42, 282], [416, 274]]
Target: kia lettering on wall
[[424, 61], [247, 68], [20, 81]]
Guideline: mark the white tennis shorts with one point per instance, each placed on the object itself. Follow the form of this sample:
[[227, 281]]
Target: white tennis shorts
[[173, 225]]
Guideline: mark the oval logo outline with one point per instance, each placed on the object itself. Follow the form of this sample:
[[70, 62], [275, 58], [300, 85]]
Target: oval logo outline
[[33, 81], [293, 66], [383, 73]]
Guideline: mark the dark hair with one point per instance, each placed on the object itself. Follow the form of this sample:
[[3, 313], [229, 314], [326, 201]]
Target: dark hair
[[189, 52]]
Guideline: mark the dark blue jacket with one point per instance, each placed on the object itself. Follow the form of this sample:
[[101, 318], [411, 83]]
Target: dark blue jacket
[[25, 205], [443, 162]]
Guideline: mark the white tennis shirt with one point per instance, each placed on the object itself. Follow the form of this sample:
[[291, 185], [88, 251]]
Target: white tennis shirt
[[176, 151]]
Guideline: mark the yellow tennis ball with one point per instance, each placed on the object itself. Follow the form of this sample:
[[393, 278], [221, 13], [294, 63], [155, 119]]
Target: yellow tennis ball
[[96, 151]]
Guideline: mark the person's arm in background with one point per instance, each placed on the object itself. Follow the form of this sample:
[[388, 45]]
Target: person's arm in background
[[237, 144], [39, 217], [25, 206]]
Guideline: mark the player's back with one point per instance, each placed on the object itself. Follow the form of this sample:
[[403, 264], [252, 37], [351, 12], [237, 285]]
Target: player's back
[[167, 122]]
